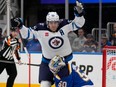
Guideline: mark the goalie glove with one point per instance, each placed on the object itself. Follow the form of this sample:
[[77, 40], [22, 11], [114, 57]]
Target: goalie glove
[[78, 9], [16, 22], [56, 64]]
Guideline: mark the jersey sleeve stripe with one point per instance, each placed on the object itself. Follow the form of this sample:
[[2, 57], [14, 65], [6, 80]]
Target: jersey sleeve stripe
[[28, 34]]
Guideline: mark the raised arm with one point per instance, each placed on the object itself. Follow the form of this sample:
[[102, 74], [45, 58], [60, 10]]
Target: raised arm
[[78, 21], [26, 33]]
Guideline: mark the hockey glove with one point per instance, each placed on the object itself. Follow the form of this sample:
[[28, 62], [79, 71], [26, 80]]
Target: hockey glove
[[56, 64], [78, 9], [16, 22]]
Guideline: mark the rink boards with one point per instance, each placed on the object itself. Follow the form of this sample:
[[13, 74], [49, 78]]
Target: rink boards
[[27, 76]]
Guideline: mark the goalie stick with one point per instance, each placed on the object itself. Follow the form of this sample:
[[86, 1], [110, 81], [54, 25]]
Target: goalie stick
[[11, 62]]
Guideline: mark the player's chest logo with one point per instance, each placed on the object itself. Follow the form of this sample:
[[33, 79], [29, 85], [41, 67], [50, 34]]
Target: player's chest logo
[[56, 42]]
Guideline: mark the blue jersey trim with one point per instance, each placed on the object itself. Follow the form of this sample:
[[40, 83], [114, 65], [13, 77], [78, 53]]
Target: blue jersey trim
[[68, 58], [45, 60], [28, 34], [32, 31], [73, 24], [77, 15]]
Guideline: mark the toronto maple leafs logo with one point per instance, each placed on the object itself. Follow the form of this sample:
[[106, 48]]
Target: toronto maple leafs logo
[[56, 42]]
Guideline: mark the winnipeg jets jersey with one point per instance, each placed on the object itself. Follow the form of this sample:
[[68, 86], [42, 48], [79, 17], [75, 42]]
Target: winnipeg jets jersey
[[53, 43]]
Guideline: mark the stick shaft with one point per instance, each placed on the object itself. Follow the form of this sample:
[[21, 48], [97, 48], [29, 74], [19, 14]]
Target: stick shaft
[[11, 62]]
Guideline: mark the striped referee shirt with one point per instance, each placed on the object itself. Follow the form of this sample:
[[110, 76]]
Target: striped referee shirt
[[10, 47]]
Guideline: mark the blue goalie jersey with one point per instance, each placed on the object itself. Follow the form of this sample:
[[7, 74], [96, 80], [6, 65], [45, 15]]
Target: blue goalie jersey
[[75, 79]]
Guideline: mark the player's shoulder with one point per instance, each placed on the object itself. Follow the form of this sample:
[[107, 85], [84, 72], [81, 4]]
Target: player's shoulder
[[63, 22], [40, 26]]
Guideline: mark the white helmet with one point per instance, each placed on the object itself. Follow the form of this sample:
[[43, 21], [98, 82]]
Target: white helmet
[[52, 16]]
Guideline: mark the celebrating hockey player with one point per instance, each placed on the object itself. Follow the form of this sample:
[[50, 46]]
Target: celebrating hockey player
[[53, 36], [10, 46]]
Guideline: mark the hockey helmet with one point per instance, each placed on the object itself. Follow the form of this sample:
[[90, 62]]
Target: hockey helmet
[[52, 16]]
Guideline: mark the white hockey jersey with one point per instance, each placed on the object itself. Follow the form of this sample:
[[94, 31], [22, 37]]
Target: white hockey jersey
[[53, 43]]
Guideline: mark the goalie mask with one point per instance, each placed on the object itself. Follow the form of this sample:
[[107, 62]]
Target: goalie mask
[[56, 64]]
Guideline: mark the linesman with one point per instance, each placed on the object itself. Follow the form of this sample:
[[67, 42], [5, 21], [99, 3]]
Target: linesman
[[10, 47]]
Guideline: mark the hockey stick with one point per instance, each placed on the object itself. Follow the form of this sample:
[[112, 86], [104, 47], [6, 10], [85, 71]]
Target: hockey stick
[[25, 49], [11, 62], [28, 55]]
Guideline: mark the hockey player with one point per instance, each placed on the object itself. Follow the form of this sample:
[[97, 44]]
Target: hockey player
[[76, 78], [10, 46], [53, 37]]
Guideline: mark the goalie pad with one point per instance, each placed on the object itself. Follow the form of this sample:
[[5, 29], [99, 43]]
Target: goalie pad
[[56, 64]]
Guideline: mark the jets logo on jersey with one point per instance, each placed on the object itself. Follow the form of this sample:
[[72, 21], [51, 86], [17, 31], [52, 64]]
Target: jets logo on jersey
[[56, 42]]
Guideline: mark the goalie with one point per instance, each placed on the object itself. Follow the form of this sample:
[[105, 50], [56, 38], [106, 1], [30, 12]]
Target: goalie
[[53, 37], [74, 78]]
